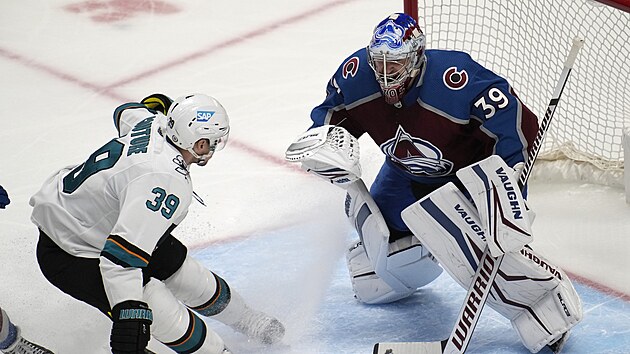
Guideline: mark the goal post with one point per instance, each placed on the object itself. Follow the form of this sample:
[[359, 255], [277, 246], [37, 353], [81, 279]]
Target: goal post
[[525, 42], [411, 8], [623, 5]]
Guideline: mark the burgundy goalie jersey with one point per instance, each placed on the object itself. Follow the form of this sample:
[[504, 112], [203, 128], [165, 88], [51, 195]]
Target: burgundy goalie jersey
[[457, 112]]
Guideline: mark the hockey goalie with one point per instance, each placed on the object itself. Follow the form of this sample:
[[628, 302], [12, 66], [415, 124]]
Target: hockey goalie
[[454, 135], [448, 233]]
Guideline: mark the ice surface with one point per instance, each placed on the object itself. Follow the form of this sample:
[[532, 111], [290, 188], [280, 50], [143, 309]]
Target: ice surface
[[275, 233]]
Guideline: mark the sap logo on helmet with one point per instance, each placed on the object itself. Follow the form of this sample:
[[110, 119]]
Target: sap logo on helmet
[[204, 116]]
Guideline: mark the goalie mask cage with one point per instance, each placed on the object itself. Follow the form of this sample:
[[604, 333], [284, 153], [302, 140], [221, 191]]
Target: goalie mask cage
[[526, 41]]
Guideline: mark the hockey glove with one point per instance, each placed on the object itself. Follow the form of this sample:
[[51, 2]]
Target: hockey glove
[[157, 102], [4, 198], [329, 152], [130, 331]]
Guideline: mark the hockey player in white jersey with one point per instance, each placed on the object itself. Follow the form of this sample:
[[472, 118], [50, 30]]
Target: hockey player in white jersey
[[105, 231]]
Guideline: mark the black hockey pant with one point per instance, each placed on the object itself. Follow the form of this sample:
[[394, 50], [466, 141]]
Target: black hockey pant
[[81, 277]]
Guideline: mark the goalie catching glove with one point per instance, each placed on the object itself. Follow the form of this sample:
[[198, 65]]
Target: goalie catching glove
[[329, 152]]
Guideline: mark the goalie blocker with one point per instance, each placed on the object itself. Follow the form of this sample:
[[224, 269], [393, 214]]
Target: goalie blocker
[[535, 295]]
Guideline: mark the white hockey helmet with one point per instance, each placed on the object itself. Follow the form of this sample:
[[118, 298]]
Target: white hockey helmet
[[396, 54], [195, 117]]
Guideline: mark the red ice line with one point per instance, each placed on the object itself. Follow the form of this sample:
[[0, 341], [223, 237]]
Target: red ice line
[[109, 92], [118, 10]]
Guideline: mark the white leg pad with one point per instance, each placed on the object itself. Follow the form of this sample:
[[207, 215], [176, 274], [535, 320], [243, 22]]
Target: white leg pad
[[408, 260], [412, 263], [368, 287], [398, 268], [553, 315], [172, 323], [527, 286], [365, 216]]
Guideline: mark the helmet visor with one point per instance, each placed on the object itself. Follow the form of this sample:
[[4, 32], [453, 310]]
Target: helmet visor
[[219, 143]]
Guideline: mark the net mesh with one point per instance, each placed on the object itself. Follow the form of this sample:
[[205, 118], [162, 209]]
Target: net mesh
[[527, 42]]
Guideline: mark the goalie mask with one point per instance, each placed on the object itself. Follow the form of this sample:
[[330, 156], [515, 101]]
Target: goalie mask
[[396, 54], [195, 117]]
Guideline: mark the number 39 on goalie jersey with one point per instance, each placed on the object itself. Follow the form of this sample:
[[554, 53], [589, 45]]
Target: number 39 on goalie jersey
[[456, 113], [119, 202]]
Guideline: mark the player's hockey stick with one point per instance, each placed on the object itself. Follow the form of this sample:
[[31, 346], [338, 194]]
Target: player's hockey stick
[[488, 266]]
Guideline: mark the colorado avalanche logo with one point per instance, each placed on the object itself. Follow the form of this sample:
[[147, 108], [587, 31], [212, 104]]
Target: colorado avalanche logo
[[455, 80], [418, 156], [389, 34]]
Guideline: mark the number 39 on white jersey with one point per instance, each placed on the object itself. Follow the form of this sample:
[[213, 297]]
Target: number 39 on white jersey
[[120, 201]]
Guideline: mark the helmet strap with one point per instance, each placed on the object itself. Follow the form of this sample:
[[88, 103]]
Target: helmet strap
[[201, 158]]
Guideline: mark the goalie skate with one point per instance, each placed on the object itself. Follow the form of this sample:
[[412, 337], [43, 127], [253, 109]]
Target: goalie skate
[[557, 346]]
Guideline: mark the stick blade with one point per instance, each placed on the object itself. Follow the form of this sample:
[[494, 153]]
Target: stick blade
[[408, 348]]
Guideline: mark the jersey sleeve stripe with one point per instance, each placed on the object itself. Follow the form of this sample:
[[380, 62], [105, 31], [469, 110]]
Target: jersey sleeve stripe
[[123, 253]]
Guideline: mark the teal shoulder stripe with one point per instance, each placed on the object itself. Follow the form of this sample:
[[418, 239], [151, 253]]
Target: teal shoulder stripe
[[118, 111]]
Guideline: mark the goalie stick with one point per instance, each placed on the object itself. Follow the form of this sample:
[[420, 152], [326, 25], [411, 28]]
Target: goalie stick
[[488, 266]]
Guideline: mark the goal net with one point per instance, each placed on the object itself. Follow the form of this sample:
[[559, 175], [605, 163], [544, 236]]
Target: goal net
[[527, 42]]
